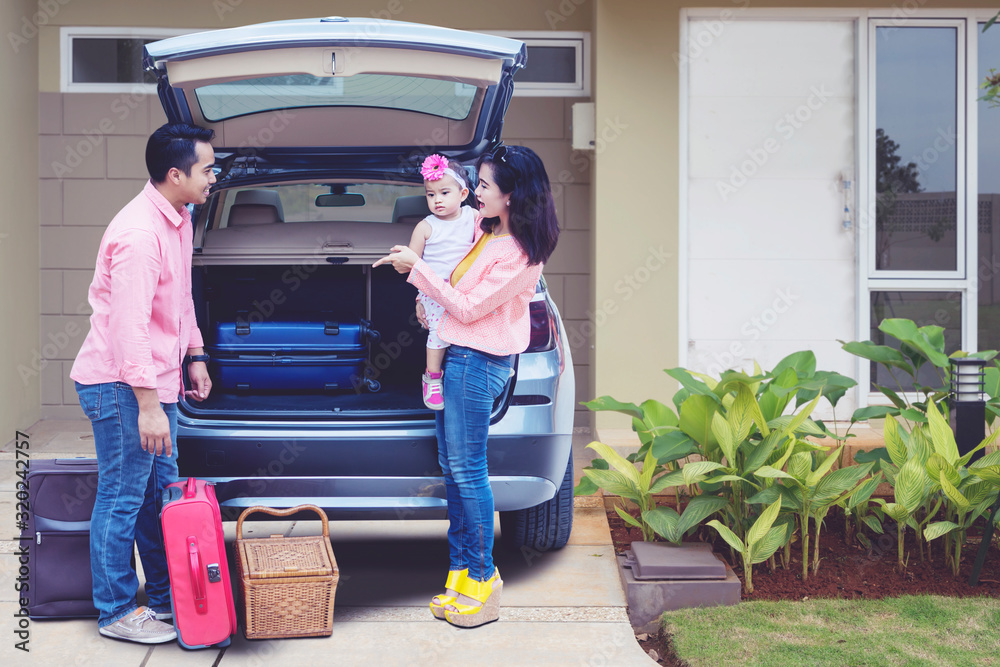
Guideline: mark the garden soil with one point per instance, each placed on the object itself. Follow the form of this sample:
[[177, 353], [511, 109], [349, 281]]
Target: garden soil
[[848, 571]]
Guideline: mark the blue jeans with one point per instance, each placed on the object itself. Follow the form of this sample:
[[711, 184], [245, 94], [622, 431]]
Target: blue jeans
[[472, 381], [129, 498]]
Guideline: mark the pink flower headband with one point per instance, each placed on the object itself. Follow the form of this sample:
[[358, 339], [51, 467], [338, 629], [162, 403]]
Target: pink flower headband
[[435, 167]]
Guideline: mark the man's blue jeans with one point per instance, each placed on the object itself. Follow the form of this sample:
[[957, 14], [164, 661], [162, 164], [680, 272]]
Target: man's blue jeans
[[129, 498], [472, 382]]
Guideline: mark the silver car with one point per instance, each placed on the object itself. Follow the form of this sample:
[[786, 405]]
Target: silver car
[[320, 127]]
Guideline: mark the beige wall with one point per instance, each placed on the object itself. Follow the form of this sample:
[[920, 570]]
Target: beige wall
[[87, 174], [19, 231]]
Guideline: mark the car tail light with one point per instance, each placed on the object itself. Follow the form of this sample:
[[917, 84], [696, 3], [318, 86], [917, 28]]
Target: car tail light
[[544, 330]]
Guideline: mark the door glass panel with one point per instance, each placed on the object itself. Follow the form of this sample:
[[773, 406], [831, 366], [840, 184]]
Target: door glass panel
[[915, 164], [988, 266], [943, 309]]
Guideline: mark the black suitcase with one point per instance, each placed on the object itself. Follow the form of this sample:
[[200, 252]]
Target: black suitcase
[[295, 356], [61, 494]]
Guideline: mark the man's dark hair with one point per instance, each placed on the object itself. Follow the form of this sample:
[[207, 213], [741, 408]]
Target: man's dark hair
[[173, 145], [518, 171]]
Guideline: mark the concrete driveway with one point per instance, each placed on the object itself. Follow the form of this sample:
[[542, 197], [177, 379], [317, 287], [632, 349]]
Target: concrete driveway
[[560, 608]]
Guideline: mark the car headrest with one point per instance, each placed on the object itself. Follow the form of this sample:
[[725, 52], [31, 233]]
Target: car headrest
[[256, 207], [411, 209]]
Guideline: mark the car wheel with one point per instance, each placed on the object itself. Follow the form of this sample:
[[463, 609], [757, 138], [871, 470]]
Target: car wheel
[[544, 527]]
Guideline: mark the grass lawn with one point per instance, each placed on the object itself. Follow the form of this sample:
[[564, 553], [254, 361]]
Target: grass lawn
[[912, 630]]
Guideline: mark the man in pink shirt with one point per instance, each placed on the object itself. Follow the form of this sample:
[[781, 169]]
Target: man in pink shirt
[[129, 377]]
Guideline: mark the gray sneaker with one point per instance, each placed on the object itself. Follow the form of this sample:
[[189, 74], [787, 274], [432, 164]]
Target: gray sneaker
[[140, 626]]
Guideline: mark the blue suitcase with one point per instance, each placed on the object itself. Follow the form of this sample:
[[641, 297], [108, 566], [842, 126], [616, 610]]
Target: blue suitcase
[[292, 356]]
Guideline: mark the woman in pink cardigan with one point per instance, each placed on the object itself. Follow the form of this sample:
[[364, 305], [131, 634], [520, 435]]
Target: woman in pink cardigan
[[486, 322]]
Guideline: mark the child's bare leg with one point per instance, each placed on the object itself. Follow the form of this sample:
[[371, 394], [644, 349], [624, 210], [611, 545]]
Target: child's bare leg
[[434, 360]]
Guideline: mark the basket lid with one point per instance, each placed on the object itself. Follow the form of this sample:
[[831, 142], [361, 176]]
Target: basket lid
[[283, 557]]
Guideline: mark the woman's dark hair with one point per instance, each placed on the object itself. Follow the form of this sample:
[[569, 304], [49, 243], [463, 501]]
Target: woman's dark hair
[[519, 172], [173, 145]]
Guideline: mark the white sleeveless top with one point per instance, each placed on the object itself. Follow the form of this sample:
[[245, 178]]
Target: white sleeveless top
[[450, 241]]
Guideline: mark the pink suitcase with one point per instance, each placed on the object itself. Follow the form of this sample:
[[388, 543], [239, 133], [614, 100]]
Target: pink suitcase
[[200, 592]]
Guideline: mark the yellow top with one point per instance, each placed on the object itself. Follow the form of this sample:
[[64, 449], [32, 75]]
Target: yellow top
[[470, 258]]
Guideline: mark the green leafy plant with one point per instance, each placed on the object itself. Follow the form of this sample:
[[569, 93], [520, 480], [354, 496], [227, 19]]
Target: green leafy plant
[[762, 540], [861, 512], [809, 487]]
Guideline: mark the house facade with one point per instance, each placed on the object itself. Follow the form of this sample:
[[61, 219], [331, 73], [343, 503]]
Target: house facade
[[763, 177]]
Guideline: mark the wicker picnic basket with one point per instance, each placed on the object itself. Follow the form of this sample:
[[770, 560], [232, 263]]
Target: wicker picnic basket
[[287, 584]]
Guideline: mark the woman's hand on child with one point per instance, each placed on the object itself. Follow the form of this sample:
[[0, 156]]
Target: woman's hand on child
[[421, 315], [401, 257]]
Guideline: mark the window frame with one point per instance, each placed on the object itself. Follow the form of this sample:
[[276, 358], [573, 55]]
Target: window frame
[[581, 43], [67, 34]]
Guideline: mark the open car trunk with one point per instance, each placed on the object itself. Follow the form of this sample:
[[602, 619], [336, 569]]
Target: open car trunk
[[384, 383]]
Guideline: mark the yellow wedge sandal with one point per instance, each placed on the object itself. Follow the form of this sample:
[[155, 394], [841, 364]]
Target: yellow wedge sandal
[[455, 577], [486, 593]]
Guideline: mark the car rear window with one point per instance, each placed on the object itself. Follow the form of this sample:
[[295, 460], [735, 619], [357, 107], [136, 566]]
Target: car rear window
[[299, 201], [446, 99]]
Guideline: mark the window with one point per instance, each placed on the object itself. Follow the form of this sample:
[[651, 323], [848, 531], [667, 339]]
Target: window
[[558, 64], [107, 60], [933, 181], [432, 96]]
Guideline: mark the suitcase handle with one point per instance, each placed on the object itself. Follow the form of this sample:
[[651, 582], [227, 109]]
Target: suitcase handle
[[191, 489], [284, 512], [197, 585]]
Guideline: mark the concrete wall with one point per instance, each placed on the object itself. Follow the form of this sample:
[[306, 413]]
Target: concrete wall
[[21, 359], [91, 160]]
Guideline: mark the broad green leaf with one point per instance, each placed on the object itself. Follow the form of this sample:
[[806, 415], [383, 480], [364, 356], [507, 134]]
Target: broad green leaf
[[920, 445], [804, 363], [988, 441], [771, 403], [910, 482], [774, 540], [691, 383], [992, 381], [627, 518], [609, 404], [730, 478], [658, 414], [695, 471], [872, 522], [989, 474], [741, 415], [772, 473], [865, 491], [674, 478], [938, 528], [728, 535], [613, 482], [914, 415], [648, 470], [663, 521], [835, 385], [586, 487], [873, 412], [953, 494], [936, 466], [896, 511], [838, 483], [763, 524], [991, 459], [724, 436], [977, 492], [616, 461], [813, 478], [760, 452], [872, 456], [791, 497], [807, 427], [672, 446], [927, 340], [882, 354], [894, 441], [698, 509], [890, 470], [802, 415], [800, 465], [892, 396], [709, 381], [696, 418], [941, 434]]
